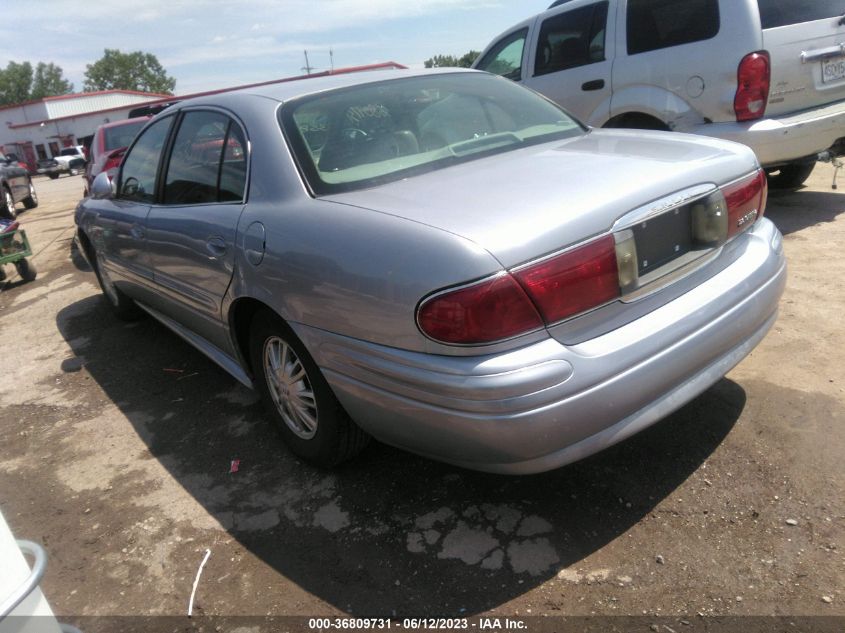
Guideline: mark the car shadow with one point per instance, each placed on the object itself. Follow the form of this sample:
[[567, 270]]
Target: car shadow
[[389, 533], [793, 211]]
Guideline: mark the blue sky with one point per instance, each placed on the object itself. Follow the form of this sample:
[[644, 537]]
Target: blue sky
[[207, 44]]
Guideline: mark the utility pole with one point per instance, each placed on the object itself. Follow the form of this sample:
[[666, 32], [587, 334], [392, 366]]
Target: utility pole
[[331, 59], [308, 67]]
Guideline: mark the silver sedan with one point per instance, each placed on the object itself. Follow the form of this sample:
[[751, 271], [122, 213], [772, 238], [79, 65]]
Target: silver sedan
[[444, 261]]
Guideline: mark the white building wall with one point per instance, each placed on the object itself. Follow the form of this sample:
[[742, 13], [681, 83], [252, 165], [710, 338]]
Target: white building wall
[[23, 114], [91, 103], [61, 121]]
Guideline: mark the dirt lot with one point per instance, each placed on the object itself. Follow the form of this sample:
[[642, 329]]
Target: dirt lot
[[117, 442]]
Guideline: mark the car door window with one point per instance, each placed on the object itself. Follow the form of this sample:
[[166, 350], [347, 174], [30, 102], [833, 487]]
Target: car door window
[[656, 24], [138, 175], [571, 39], [208, 162], [505, 58]]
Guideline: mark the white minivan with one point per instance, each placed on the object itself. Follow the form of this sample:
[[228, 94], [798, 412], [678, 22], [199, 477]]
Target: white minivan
[[766, 73]]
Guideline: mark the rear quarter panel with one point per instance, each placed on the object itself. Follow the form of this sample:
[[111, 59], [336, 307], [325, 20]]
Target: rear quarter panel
[[684, 85], [337, 267]]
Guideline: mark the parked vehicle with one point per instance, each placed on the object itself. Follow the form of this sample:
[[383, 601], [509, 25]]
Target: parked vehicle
[[443, 260], [70, 160], [766, 73], [15, 187], [108, 146]]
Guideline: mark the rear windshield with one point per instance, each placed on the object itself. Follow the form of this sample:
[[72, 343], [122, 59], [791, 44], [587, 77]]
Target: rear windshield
[[775, 13], [122, 135], [359, 137], [70, 151]]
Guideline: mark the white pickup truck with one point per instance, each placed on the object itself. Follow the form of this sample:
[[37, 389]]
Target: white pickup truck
[[70, 160]]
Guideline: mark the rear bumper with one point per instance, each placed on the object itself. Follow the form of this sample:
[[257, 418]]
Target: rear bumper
[[778, 140], [547, 404]]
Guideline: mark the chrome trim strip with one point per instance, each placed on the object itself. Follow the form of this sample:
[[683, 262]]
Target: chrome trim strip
[[663, 205]]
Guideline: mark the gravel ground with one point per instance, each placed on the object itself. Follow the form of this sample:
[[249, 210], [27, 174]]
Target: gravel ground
[[117, 441]]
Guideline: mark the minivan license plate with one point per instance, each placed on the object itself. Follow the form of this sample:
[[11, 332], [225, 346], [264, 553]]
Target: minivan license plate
[[833, 69]]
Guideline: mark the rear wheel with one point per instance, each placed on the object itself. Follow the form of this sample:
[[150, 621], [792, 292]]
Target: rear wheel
[[53, 176], [26, 269], [309, 417], [8, 210], [31, 201], [790, 176]]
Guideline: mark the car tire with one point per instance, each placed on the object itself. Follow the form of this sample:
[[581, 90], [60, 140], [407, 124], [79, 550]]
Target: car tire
[[121, 304], [74, 171], [26, 269], [31, 201], [53, 176], [790, 176], [8, 208], [311, 421]]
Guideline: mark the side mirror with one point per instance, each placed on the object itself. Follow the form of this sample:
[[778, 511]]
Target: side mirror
[[102, 187]]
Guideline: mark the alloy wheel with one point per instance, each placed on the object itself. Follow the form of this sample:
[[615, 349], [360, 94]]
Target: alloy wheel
[[290, 388]]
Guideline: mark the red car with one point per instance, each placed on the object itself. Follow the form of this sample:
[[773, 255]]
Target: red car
[[108, 146]]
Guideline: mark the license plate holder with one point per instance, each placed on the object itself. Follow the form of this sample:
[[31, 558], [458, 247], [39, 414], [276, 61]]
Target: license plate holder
[[833, 69], [662, 239]]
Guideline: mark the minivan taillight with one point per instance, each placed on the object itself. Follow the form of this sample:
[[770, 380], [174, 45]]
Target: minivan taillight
[[752, 90], [746, 201]]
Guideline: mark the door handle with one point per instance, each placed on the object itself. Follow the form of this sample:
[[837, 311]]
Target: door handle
[[137, 231], [595, 84], [216, 246]]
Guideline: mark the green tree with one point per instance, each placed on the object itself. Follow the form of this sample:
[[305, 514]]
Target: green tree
[[450, 61], [128, 71], [15, 82], [49, 81]]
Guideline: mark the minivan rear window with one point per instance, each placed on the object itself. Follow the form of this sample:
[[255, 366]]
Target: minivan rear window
[[775, 13]]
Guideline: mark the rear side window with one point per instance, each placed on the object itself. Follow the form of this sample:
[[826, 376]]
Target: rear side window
[[200, 171], [574, 38], [775, 13], [505, 58], [656, 24]]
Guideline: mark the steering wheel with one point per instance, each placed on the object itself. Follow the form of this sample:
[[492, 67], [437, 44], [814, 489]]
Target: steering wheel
[[130, 186], [353, 134]]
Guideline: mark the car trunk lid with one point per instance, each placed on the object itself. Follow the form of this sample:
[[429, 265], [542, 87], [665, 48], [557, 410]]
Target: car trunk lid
[[527, 203]]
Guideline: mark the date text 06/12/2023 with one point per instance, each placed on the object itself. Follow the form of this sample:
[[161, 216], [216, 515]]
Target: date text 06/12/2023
[[484, 624]]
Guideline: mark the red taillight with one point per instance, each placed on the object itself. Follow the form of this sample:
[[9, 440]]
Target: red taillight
[[574, 281], [488, 311], [746, 200], [752, 91], [512, 304]]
